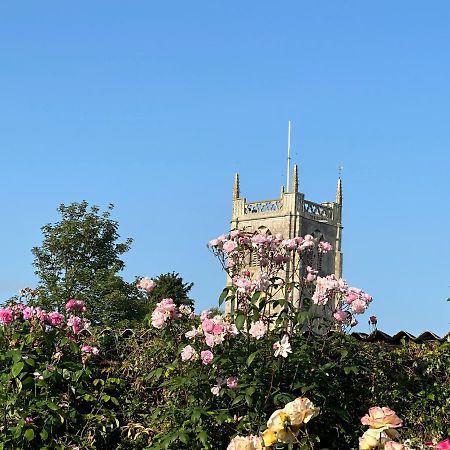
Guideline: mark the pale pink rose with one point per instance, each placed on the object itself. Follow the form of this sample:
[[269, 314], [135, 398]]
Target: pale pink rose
[[205, 314], [55, 318], [234, 233], [209, 340], [146, 284], [229, 246], [76, 323], [75, 305], [232, 383], [258, 329], [217, 329], [215, 390], [381, 418], [206, 356], [6, 316], [214, 243], [358, 306], [325, 247], [158, 319], [245, 443], [283, 347], [341, 316], [188, 353], [207, 325], [193, 333]]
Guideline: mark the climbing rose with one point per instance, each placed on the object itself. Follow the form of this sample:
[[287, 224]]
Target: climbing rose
[[75, 305], [283, 347], [90, 349], [258, 329], [146, 284], [55, 318], [6, 316], [381, 418], [232, 383], [189, 353], [206, 356]]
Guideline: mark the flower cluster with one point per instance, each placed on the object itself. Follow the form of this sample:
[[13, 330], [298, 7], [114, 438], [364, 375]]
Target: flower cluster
[[74, 324], [212, 331], [351, 300], [283, 427], [146, 284], [231, 383], [382, 423], [165, 311]]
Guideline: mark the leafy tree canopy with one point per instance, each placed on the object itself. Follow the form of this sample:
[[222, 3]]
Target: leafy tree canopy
[[81, 258], [171, 285]]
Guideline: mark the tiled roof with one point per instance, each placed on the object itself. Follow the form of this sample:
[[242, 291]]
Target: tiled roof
[[379, 336]]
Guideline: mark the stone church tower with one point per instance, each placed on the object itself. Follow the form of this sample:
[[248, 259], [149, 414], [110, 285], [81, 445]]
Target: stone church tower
[[292, 215]]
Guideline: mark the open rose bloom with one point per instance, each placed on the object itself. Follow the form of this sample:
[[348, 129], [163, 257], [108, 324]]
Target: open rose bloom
[[381, 418]]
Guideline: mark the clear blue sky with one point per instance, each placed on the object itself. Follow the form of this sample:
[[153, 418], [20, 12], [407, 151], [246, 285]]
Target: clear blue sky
[[154, 105]]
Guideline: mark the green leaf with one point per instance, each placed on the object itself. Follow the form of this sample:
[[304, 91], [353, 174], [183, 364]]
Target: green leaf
[[203, 437], [44, 435], [29, 434], [251, 358], [223, 295], [17, 368], [240, 320]]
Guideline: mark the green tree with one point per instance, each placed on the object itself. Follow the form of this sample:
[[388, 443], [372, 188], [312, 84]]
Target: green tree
[[171, 285], [81, 258]]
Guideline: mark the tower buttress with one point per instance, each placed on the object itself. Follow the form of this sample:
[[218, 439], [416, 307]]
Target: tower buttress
[[295, 179], [338, 245]]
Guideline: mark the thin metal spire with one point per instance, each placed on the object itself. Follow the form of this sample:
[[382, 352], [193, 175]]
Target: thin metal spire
[[288, 155], [339, 187]]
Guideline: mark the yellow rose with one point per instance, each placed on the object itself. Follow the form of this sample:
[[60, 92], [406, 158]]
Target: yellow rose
[[278, 421], [300, 411], [371, 439], [269, 438]]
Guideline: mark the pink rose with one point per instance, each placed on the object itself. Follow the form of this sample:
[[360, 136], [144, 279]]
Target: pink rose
[[146, 284], [232, 383], [206, 356], [381, 418], [358, 306], [75, 305], [215, 390], [6, 316], [188, 353], [28, 313], [443, 445], [218, 329], [258, 329], [90, 349], [229, 246], [55, 318], [207, 325], [76, 323], [158, 319], [205, 314], [341, 316]]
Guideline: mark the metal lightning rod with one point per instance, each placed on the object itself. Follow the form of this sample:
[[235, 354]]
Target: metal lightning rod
[[288, 157]]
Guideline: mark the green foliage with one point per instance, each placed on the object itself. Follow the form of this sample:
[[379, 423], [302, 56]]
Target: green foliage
[[50, 396], [80, 258]]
